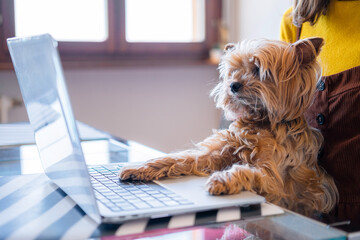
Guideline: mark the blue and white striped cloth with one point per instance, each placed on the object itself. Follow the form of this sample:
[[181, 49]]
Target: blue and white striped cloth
[[32, 207]]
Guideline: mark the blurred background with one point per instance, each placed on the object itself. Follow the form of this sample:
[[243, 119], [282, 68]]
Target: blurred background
[[138, 69]]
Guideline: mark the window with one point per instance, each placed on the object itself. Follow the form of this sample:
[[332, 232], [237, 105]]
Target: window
[[168, 21], [115, 29], [77, 25]]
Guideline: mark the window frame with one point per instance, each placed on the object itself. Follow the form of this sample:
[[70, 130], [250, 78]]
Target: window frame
[[116, 47]]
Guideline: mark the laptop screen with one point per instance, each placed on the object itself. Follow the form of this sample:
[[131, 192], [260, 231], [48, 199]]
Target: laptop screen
[[42, 84]]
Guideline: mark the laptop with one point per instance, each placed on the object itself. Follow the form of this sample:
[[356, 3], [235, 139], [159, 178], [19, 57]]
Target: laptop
[[96, 189]]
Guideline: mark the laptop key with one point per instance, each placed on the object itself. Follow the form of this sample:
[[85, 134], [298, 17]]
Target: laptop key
[[112, 185], [134, 192], [130, 197], [148, 199], [119, 200], [163, 199], [136, 200], [112, 195], [142, 195], [115, 209], [102, 190], [158, 195], [127, 207], [152, 192]]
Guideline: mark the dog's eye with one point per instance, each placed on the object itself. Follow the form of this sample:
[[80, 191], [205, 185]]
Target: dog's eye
[[256, 70]]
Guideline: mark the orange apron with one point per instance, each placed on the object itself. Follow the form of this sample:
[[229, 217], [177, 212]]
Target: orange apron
[[336, 112]]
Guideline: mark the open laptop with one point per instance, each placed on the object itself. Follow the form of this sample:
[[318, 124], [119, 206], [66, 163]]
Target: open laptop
[[96, 189]]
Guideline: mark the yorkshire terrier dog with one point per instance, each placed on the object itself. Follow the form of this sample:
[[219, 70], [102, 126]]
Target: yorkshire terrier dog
[[265, 87]]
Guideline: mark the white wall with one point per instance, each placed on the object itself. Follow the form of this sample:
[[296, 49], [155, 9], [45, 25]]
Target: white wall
[[248, 19], [261, 18], [163, 107]]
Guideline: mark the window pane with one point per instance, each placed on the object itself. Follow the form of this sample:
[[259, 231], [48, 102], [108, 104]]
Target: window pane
[[65, 20], [165, 20]]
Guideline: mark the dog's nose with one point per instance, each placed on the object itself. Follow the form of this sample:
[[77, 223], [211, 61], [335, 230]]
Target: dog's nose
[[235, 87]]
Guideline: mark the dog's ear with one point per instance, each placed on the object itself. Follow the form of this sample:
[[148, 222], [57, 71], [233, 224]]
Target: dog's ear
[[229, 46], [308, 49]]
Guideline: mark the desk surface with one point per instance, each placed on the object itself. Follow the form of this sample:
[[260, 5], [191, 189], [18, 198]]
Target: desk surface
[[33, 207]]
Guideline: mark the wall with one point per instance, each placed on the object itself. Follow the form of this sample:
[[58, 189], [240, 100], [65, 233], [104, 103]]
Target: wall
[[248, 19], [261, 18], [163, 107]]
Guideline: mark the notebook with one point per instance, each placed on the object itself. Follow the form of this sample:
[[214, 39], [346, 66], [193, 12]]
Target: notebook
[[96, 189]]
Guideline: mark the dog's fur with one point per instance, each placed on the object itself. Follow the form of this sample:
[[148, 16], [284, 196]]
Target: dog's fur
[[269, 148]]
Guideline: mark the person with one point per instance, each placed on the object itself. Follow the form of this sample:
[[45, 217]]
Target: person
[[336, 107]]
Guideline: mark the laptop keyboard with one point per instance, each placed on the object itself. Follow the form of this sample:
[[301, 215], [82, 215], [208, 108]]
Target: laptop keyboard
[[127, 196]]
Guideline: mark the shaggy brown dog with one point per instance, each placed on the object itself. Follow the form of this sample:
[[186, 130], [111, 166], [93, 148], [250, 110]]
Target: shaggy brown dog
[[265, 88]]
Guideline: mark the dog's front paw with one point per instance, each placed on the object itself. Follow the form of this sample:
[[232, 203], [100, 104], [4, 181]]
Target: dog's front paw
[[146, 172], [221, 183], [134, 173]]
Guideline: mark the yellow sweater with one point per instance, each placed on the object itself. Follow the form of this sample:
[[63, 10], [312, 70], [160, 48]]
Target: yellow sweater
[[340, 28]]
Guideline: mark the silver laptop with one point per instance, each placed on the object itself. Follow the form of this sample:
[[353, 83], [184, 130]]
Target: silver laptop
[[96, 189]]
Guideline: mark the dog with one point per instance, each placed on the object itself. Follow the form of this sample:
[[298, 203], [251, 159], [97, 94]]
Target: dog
[[265, 87]]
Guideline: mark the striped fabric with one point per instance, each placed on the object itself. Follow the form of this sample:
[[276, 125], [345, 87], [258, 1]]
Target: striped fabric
[[32, 207]]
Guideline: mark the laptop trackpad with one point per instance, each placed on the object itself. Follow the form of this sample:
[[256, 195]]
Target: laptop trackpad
[[193, 188]]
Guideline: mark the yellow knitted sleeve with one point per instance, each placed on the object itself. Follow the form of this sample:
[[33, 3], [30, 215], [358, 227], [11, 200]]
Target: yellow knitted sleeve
[[287, 28]]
